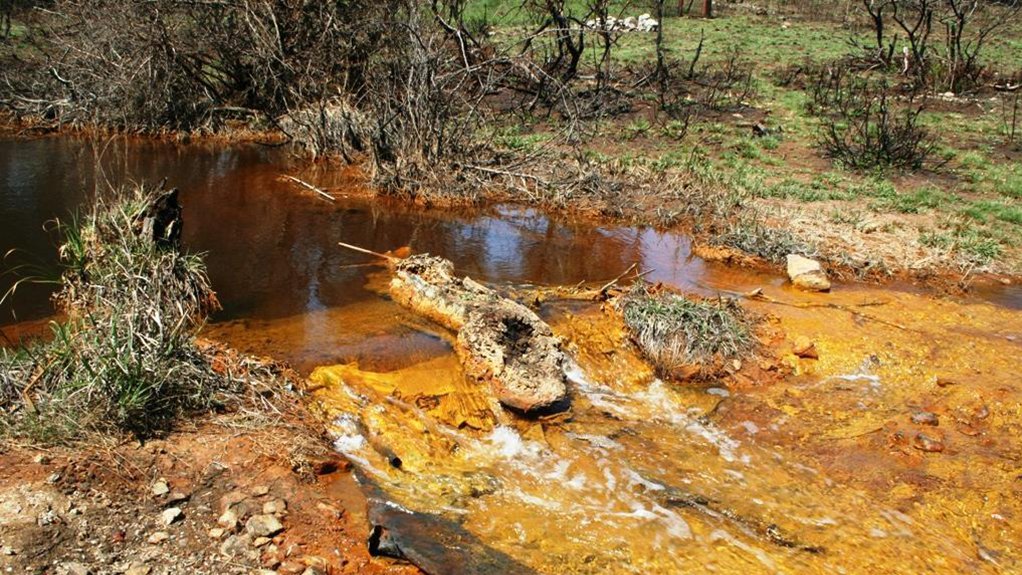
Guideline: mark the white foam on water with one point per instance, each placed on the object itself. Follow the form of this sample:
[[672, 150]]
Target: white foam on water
[[636, 479], [506, 443], [348, 439]]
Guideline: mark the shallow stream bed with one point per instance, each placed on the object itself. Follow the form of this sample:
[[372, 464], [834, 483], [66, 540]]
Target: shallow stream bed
[[831, 469]]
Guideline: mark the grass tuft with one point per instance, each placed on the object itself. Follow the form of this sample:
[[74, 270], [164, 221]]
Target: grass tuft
[[673, 331], [125, 360]]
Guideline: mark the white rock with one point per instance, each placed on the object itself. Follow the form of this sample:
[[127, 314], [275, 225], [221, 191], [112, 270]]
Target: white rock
[[171, 515], [807, 274], [161, 487], [229, 519], [275, 507]]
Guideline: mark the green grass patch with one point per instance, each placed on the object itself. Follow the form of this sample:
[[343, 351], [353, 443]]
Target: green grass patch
[[971, 243], [673, 331]]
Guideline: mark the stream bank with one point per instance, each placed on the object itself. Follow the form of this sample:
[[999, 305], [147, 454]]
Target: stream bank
[[896, 440]]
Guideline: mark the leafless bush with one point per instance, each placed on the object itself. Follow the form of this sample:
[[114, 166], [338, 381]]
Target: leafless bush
[[864, 126], [719, 86], [945, 38]]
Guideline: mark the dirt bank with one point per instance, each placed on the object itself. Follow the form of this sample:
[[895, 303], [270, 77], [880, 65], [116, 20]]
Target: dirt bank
[[221, 495]]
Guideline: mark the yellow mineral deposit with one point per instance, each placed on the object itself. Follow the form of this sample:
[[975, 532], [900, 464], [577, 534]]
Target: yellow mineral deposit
[[858, 462]]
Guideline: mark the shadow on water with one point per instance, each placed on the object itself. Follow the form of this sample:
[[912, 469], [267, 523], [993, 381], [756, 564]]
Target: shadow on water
[[433, 543]]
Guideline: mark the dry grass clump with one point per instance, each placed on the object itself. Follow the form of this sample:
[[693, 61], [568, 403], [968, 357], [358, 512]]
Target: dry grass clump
[[126, 359], [674, 331]]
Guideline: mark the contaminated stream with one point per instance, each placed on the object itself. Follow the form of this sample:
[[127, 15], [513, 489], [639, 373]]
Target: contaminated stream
[[896, 451]]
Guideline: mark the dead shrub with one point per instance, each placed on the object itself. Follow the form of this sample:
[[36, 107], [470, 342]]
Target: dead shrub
[[865, 125]]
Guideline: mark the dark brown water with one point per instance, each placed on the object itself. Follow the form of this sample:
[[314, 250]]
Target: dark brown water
[[271, 247]]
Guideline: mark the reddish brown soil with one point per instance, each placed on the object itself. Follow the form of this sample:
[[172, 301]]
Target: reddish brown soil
[[96, 508]]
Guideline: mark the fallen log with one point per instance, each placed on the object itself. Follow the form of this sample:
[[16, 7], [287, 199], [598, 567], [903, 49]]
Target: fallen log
[[500, 342]]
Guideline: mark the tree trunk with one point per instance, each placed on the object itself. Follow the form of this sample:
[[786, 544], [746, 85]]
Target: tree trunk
[[707, 8]]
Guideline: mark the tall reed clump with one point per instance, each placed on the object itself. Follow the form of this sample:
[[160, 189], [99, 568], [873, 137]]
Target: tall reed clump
[[125, 359], [683, 337]]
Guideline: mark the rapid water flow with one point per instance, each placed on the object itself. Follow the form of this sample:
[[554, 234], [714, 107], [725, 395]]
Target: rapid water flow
[[788, 465]]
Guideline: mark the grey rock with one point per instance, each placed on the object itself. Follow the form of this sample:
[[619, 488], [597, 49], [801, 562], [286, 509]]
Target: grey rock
[[176, 497], [238, 546], [263, 526]]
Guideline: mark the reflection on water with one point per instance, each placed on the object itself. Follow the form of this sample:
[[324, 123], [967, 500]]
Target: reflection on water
[[271, 248], [812, 473]]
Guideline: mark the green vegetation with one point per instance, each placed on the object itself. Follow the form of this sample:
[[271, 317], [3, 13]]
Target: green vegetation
[[757, 115], [674, 331], [125, 360]]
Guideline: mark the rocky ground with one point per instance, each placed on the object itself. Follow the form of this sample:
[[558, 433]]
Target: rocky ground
[[226, 496]]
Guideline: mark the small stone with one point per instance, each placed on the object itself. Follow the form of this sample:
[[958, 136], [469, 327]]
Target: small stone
[[41, 459], [158, 537], [53, 478], [75, 569], [804, 347], [291, 567], [176, 497], [231, 499], [171, 515], [217, 532], [263, 526], [316, 562], [238, 546], [944, 382], [229, 519], [925, 418], [161, 488], [260, 490], [260, 541], [9, 551], [275, 507], [330, 511], [928, 444], [138, 569], [807, 274], [266, 572], [47, 518]]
